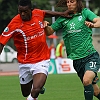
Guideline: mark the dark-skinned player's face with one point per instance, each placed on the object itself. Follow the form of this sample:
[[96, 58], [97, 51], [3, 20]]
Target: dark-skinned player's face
[[25, 12]]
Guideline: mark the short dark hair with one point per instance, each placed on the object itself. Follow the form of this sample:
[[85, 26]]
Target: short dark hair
[[25, 3]]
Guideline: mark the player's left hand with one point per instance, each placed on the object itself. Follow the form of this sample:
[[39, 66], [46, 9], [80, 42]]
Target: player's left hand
[[45, 24]]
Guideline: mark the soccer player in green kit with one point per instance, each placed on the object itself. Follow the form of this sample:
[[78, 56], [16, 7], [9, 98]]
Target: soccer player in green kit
[[77, 36]]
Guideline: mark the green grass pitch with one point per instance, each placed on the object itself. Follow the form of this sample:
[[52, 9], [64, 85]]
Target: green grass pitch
[[58, 87]]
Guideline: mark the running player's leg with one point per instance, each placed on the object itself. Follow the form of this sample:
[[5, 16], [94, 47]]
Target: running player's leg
[[41, 92], [39, 80], [87, 82], [26, 88], [92, 65], [39, 77], [26, 79]]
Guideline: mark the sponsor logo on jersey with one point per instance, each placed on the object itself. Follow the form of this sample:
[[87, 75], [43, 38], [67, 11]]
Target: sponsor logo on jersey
[[41, 33], [72, 31]]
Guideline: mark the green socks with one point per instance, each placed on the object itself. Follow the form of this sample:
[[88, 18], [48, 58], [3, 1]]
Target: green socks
[[88, 92]]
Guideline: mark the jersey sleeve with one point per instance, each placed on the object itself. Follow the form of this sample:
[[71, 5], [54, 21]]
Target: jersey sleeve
[[38, 12], [7, 33], [89, 14], [57, 24]]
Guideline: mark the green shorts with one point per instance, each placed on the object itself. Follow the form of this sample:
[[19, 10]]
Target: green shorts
[[91, 62]]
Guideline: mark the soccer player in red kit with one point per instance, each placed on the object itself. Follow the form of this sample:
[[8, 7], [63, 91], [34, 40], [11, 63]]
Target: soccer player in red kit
[[29, 37]]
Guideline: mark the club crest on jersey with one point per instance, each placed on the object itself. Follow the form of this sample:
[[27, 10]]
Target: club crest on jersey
[[6, 29], [41, 24], [80, 18]]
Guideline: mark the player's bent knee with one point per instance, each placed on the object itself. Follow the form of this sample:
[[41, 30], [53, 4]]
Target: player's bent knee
[[35, 92], [86, 82], [96, 92]]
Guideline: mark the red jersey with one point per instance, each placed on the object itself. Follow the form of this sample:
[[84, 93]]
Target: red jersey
[[29, 38]]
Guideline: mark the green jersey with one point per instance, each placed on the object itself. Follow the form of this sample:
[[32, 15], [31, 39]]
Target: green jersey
[[76, 35]]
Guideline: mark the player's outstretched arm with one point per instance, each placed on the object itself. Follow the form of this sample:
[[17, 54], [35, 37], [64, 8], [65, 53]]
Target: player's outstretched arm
[[49, 13], [94, 24]]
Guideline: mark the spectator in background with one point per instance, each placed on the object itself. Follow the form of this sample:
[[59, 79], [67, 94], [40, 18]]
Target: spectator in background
[[65, 53], [60, 51], [52, 51]]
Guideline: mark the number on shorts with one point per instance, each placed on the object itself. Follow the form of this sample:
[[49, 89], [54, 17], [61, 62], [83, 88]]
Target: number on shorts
[[92, 65]]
